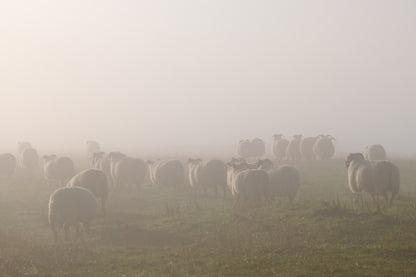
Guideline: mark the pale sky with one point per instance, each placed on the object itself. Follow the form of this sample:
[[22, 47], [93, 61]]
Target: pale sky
[[199, 75]]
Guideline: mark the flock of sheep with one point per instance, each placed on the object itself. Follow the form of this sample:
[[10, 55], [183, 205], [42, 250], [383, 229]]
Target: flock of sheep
[[250, 182], [309, 148]]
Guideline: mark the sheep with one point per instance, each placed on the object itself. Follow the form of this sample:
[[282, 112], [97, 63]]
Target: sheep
[[58, 169], [168, 174], [293, 148], [22, 145], [71, 206], [324, 148], [207, 174], [95, 181], [102, 161], [375, 152], [248, 185], [114, 157], [279, 146], [129, 171], [283, 181], [375, 178], [258, 147], [7, 165], [244, 148], [29, 158], [92, 147], [306, 148], [251, 149]]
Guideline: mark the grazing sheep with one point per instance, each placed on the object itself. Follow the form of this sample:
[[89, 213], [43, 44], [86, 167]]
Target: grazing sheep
[[279, 146], [248, 186], [129, 171], [258, 147], [293, 148], [283, 181], [29, 158], [376, 178], [102, 161], [375, 152], [22, 145], [58, 169], [71, 206], [7, 165], [251, 149], [114, 157], [92, 147], [306, 148], [168, 174], [324, 148], [95, 181], [207, 174]]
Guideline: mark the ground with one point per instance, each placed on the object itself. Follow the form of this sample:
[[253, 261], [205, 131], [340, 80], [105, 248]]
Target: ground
[[324, 233]]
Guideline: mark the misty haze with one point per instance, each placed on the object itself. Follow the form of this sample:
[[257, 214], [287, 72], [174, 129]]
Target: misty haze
[[207, 138]]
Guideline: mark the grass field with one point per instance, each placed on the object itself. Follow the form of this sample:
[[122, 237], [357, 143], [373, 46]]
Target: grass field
[[324, 233]]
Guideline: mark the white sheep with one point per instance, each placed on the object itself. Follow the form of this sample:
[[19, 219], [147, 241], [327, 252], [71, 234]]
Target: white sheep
[[279, 146], [251, 149], [249, 186], [207, 174], [58, 169], [306, 148], [284, 181], [168, 174], [293, 148], [376, 178], [22, 145], [7, 165], [324, 147], [92, 147], [129, 171], [95, 181], [375, 152], [101, 161], [29, 158], [69, 206]]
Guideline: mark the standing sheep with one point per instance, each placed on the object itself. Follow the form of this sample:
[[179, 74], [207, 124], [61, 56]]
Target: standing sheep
[[92, 147], [71, 206], [284, 181], [129, 171], [22, 145], [375, 152], [168, 174], [102, 161], [248, 186], [324, 148], [207, 174], [376, 178], [251, 149], [95, 181], [58, 169], [306, 148], [29, 158], [293, 148], [279, 146], [7, 165]]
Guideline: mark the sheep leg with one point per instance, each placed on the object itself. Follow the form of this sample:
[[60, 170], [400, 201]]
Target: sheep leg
[[224, 192]]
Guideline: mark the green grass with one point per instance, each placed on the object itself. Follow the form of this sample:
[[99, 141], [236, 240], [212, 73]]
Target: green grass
[[324, 233]]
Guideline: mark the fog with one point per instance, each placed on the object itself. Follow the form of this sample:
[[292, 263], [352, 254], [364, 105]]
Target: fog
[[198, 76]]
